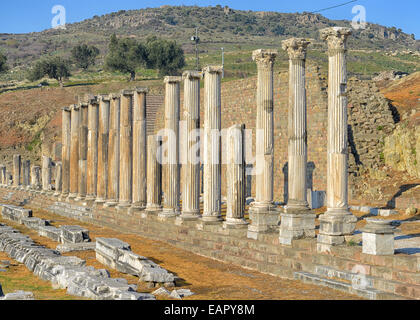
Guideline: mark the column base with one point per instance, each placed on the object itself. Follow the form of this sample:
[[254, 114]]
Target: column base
[[90, 198], [138, 206], [167, 213], [80, 198], [107, 203], [334, 225], [233, 223], [296, 226], [123, 205], [262, 221]]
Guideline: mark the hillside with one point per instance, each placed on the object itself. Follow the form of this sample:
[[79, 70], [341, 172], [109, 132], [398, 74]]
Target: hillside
[[218, 26]]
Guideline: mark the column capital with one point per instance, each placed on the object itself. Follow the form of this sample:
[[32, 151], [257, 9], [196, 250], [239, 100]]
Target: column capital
[[191, 75], [336, 38], [67, 108], [83, 105], [213, 69], [104, 97], [93, 100], [264, 57], [114, 96], [296, 48], [127, 92], [172, 79], [141, 90], [75, 107]]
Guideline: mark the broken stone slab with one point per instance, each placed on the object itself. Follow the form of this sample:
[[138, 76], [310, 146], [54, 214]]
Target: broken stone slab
[[50, 232], [34, 223], [74, 247], [19, 295], [175, 295], [74, 234], [110, 247], [161, 292], [15, 213]]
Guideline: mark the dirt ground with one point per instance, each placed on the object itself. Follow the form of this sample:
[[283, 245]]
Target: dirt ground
[[207, 278]]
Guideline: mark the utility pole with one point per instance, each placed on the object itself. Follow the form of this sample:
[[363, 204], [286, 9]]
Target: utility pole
[[223, 63], [196, 40]]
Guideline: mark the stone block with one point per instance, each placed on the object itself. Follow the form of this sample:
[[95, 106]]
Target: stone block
[[74, 247], [50, 232], [74, 234], [19, 295], [34, 223], [378, 237]]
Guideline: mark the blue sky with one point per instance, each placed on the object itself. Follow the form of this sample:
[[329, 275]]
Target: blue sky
[[21, 16]]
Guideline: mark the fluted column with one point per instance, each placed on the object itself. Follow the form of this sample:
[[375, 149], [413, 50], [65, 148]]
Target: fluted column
[[191, 169], [139, 149], [113, 152], [74, 152], [26, 173], [172, 174], [46, 174], [337, 221], [103, 149], [296, 221], [36, 177], [92, 154], [3, 179], [235, 178], [65, 151], [154, 175], [212, 144], [58, 179], [83, 151], [126, 150], [263, 212], [17, 164]]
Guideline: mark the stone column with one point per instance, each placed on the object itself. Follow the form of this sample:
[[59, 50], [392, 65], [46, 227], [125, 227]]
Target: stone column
[[139, 149], [191, 169], [46, 174], [83, 150], [113, 152], [235, 178], [263, 212], [172, 176], [58, 179], [126, 150], [36, 177], [297, 221], [26, 173], [212, 144], [337, 221], [154, 175], [3, 179], [92, 153], [103, 140], [65, 155], [17, 164], [74, 152]]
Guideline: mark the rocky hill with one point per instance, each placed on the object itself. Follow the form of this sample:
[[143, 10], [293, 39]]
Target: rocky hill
[[217, 26]]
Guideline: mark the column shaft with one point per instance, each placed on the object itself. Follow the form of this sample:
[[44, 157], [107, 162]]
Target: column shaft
[[66, 143], [139, 149], [3, 179], [154, 174], [58, 179], [26, 173], [92, 154], [74, 152], [103, 149], [17, 164], [212, 144], [36, 177], [126, 150], [46, 174], [191, 143], [83, 150]]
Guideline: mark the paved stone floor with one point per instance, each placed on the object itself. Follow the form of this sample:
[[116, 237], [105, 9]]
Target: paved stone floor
[[208, 278]]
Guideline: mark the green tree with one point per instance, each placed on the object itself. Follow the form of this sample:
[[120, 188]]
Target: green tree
[[125, 55], [3, 61], [84, 55], [165, 56], [55, 68]]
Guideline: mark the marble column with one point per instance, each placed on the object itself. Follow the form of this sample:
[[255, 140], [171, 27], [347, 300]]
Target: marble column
[[92, 150], [58, 179], [36, 177], [212, 144], [26, 173], [139, 149], [3, 179], [126, 150], [74, 152], [113, 152], [154, 175], [263, 213], [235, 177], [65, 151], [46, 174], [17, 164], [337, 221], [172, 172], [102, 155], [191, 169], [297, 221], [83, 151]]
